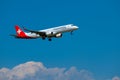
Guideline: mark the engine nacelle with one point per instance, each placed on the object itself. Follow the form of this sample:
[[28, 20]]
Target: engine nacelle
[[58, 35], [54, 34]]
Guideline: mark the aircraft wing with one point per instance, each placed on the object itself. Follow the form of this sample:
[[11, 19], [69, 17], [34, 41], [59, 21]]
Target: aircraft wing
[[43, 34]]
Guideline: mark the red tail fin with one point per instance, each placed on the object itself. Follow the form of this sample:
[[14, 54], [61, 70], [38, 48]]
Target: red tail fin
[[19, 32]]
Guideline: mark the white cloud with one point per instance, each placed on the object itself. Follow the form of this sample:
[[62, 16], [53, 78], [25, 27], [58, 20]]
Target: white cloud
[[116, 78], [37, 71]]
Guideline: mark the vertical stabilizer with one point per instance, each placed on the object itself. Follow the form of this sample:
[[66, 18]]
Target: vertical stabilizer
[[19, 31]]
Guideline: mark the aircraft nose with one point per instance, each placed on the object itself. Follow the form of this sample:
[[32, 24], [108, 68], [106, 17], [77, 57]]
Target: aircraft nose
[[76, 27]]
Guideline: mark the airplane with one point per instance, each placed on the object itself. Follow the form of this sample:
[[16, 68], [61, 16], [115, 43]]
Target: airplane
[[46, 33]]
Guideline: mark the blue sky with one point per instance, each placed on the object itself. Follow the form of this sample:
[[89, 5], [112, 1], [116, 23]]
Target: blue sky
[[94, 47]]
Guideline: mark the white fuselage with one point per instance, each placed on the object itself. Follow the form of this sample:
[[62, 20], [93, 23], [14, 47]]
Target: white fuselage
[[51, 32]]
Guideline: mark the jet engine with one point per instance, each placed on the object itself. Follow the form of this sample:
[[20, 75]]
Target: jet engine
[[58, 35], [54, 34]]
